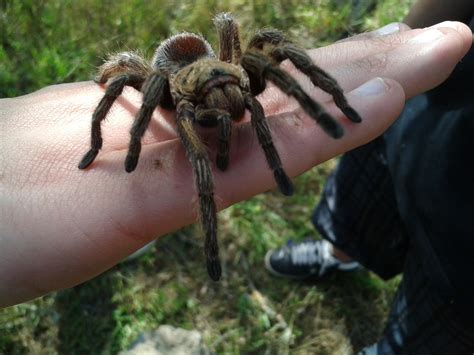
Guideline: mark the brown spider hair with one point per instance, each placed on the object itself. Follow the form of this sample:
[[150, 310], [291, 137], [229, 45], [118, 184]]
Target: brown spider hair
[[185, 75]]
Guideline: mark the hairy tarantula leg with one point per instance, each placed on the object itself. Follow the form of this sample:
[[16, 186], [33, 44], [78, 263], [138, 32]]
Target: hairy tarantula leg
[[153, 91], [255, 63], [113, 91], [229, 40], [269, 36], [265, 139], [284, 49], [225, 130], [197, 155], [319, 77], [120, 63], [224, 122]]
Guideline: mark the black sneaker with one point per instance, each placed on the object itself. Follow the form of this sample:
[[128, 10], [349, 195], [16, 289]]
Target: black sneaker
[[310, 258]]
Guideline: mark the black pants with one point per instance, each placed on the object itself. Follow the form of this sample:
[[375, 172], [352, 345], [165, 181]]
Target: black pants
[[359, 214]]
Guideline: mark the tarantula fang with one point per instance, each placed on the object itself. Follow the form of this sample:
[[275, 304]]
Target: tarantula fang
[[186, 75]]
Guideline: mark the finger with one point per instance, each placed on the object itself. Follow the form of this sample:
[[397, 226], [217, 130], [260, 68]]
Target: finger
[[408, 58], [411, 63], [343, 53], [419, 60], [390, 29]]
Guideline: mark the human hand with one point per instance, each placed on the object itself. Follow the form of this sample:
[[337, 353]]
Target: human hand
[[61, 226]]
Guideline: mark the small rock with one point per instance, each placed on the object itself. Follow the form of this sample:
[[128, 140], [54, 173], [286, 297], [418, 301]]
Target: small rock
[[167, 340]]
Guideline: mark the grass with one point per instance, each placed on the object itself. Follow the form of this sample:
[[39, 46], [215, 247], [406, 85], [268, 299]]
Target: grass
[[48, 42]]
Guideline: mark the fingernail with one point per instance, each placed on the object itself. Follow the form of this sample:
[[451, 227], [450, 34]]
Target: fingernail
[[388, 29], [373, 87], [427, 36], [450, 24]]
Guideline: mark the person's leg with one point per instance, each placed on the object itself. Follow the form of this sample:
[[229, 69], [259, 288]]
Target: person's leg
[[424, 319], [358, 215], [358, 212], [433, 312]]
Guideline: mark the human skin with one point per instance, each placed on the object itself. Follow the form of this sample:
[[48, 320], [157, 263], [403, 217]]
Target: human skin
[[60, 226]]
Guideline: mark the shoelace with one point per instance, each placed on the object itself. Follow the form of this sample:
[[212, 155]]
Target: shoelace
[[316, 254]]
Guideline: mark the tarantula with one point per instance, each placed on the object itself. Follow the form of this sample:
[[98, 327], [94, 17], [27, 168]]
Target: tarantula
[[186, 75]]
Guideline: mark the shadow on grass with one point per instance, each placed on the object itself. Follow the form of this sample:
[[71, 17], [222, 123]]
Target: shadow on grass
[[362, 299], [86, 311]]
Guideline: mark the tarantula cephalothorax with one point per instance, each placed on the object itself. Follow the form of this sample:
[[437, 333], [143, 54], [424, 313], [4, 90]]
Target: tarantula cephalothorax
[[185, 75]]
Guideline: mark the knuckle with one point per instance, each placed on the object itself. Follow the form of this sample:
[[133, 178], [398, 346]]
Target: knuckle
[[373, 63], [387, 41]]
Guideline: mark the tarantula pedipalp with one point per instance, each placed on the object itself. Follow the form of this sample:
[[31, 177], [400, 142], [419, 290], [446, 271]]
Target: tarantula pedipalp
[[185, 75]]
